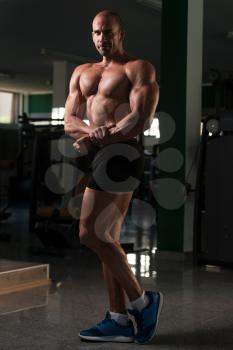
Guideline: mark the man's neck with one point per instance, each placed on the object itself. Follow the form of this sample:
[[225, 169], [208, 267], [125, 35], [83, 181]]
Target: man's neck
[[117, 57]]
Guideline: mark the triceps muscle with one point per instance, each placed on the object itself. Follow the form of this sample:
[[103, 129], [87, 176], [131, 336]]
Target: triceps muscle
[[75, 111], [143, 103]]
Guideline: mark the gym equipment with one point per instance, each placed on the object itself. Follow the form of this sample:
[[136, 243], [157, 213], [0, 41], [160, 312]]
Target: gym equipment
[[10, 148], [213, 219], [48, 220]]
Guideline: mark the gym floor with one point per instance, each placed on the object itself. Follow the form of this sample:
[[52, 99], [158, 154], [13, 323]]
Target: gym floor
[[197, 311]]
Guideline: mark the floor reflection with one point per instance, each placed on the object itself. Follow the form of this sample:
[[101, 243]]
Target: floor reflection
[[24, 300], [142, 264]]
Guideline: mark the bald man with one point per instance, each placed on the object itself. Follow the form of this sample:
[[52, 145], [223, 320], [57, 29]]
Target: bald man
[[119, 96]]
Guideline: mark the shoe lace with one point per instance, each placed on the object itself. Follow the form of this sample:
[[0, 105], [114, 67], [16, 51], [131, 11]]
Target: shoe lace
[[104, 321]]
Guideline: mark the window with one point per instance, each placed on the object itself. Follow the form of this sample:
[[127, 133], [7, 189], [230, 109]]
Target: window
[[154, 129], [8, 107]]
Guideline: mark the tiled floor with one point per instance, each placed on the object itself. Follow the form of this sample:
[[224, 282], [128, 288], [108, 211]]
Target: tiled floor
[[197, 313]]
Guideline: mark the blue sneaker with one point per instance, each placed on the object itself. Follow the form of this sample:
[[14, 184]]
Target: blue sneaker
[[147, 319], [109, 330]]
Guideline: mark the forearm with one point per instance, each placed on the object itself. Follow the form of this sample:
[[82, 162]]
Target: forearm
[[127, 128], [76, 127], [77, 135]]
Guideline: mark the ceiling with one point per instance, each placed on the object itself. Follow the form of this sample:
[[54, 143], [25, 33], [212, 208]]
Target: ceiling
[[64, 28]]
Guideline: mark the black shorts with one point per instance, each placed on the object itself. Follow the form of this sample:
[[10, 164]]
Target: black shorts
[[116, 167]]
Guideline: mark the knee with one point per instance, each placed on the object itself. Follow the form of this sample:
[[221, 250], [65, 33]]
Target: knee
[[84, 235]]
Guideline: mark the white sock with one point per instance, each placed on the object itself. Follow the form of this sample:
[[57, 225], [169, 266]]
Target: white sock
[[122, 319], [140, 302]]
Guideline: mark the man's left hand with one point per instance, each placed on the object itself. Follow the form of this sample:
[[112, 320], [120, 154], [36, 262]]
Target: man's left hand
[[100, 134]]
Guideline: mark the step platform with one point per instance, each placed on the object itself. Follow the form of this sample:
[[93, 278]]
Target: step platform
[[17, 276], [24, 300]]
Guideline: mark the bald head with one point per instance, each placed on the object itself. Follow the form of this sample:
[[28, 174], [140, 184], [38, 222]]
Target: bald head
[[111, 15], [108, 33]]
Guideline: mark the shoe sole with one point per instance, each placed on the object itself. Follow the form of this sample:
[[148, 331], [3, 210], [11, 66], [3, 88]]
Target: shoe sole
[[119, 339], [157, 321]]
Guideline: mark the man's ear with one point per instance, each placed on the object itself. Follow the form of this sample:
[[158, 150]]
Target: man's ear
[[122, 35]]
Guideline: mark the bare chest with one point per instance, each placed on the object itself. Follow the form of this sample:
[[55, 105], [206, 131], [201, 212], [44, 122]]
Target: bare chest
[[111, 82]]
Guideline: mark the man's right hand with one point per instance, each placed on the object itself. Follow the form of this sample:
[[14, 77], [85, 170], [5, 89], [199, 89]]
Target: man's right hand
[[83, 145]]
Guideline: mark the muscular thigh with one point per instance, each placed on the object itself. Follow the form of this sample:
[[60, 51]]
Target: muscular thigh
[[81, 184], [102, 213]]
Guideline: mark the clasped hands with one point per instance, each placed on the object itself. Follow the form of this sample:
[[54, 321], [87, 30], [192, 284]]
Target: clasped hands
[[97, 136]]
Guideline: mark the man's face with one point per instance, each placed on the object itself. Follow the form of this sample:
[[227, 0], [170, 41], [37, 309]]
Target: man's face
[[107, 35]]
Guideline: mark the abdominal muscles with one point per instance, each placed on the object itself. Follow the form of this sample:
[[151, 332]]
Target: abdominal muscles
[[102, 110]]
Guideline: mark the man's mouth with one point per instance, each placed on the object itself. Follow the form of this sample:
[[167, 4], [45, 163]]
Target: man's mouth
[[104, 47]]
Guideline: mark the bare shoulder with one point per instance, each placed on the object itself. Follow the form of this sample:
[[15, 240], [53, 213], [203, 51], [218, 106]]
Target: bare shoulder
[[74, 81], [79, 69], [139, 69]]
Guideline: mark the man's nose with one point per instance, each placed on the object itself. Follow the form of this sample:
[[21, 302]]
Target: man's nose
[[102, 37]]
